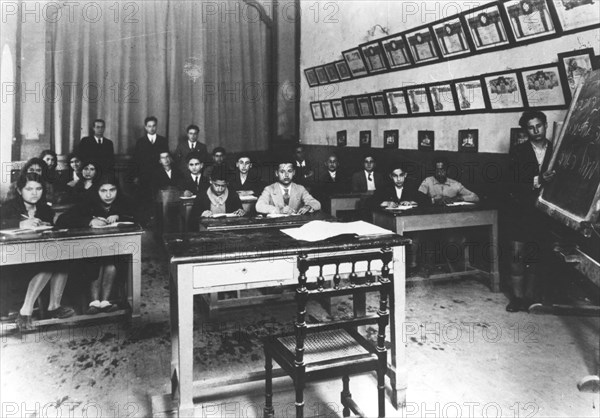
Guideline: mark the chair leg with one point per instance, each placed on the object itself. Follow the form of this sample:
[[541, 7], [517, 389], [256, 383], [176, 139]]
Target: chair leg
[[299, 384], [268, 413], [41, 307], [345, 395], [381, 372]]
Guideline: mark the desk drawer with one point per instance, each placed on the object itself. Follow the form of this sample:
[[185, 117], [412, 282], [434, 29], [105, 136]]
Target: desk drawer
[[242, 272]]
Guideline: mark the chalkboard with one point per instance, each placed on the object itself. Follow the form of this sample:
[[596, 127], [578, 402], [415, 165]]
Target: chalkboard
[[572, 196]]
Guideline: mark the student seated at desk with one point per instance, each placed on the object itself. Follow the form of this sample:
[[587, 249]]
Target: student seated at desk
[[285, 196], [28, 210], [88, 179], [72, 175], [167, 175], [246, 180], [107, 206], [443, 190], [367, 179], [193, 182], [217, 199], [38, 166]]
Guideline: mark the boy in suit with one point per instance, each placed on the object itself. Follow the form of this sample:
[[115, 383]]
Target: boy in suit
[[190, 145], [304, 174], [193, 182], [98, 148], [285, 196], [166, 176], [146, 156], [246, 180], [367, 179]]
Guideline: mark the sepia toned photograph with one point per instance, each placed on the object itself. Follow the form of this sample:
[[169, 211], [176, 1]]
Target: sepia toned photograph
[[364, 139], [426, 140], [468, 140]]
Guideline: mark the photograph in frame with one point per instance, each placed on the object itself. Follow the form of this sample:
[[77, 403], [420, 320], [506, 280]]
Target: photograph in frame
[[374, 58], [575, 14], [341, 137], [470, 95], [417, 100], [442, 98], [529, 19], [487, 28], [543, 87], [426, 140], [364, 106], [321, 75], [364, 139], [421, 46], [504, 91], [343, 70], [574, 66], [338, 109], [451, 38], [390, 139], [317, 113], [396, 102], [468, 140], [332, 72], [378, 104], [517, 137], [311, 77], [327, 110], [355, 62], [396, 52], [350, 107]]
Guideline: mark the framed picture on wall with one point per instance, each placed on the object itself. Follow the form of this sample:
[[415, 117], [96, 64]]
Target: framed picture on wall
[[350, 107], [573, 66], [355, 62], [451, 38], [487, 27], [343, 70], [315, 108], [442, 98], [364, 139], [390, 139], [426, 140], [373, 53], [577, 14], [321, 75], [529, 19], [468, 140], [504, 91], [378, 104], [421, 45], [396, 102], [517, 136], [417, 101], [470, 95], [327, 110], [341, 137], [311, 77], [396, 51], [338, 109], [543, 87], [332, 72], [364, 106]]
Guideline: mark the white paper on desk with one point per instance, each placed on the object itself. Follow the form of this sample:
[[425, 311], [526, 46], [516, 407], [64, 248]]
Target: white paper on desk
[[26, 230], [114, 224], [320, 230], [281, 215], [224, 215], [460, 204], [248, 198], [407, 207]]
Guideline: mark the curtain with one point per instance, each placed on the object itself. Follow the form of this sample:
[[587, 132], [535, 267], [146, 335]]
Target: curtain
[[181, 61]]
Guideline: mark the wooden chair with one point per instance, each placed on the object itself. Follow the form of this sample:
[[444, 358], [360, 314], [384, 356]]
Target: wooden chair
[[336, 348]]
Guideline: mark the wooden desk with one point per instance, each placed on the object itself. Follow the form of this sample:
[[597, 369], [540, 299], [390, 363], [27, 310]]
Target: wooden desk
[[76, 244], [215, 261], [256, 222], [433, 218], [347, 201]]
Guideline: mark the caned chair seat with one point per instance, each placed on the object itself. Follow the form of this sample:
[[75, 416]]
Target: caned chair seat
[[326, 345]]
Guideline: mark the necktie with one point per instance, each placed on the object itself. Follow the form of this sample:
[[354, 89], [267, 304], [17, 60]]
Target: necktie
[[99, 141], [370, 177], [286, 197], [197, 181]]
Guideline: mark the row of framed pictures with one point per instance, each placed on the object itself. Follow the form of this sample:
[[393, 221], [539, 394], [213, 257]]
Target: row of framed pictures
[[547, 86], [499, 25]]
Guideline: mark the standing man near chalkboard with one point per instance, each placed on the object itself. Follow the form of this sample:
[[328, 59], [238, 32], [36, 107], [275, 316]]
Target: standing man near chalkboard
[[528, 235]]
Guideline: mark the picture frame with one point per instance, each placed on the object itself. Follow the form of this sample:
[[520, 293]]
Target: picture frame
[[504, 91], [468, 140], [543, 87], [470, 95], [374, 57], [418, 102], [317, 112], [396, 52], [451, 38], [517, 136], [529, 19], [487, 27], [350, 107], [364, 139], [442, 98], [327, 110], [378, 104], [343, 70], [332, 72], [421, 45], [396, 102], [426, 140], [311, 77], [575, 15], [390, 139], [338, 109], [365, 109], [355, 62], [341, 138], [573, 67], [321, 75]]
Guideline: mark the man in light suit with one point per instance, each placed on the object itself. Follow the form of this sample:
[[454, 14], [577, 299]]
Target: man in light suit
[[367, 179], [285, 196], [191, 144], [98, 148]]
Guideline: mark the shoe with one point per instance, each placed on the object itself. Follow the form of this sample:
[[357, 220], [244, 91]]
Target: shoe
[[526, 303], [515, 305], [110, 308], [61, 312], [92, 310], [24, 323]]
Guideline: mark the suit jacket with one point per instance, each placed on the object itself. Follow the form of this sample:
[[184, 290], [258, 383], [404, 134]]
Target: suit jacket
[[188, 183], [163, 181], [253, 182], [359, 181], [271, 199], [146, 156], [524, 167], [183, 149], [326, 186], [301, 172], [410, 192], [104, 154]]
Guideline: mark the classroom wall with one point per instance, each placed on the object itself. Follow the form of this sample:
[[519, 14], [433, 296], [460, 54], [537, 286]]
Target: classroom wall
[[332, 27]]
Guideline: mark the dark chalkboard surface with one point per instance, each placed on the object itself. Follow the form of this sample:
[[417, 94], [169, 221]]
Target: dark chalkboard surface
[[572, 196]]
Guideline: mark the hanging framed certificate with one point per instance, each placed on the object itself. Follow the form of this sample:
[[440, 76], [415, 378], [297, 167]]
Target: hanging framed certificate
[[396, 51], [364, 106], [421, 45], [321, 75], [470, 95], [575, 15], [311, 77], [378, 104], [350, 107], [504, 91], [529, 19], [338, 109], [487, 27], [343, 70], [442, 98], [574, 66], [543, 87], [417, 101], [327, 110], [355, 62], [332, 72], [451, 38], [373, 53], [315, 108], [396, 102]]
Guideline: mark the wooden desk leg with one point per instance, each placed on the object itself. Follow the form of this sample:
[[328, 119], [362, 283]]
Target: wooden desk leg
[[494, 262], [399, 371], [135, 282], [185, 346]]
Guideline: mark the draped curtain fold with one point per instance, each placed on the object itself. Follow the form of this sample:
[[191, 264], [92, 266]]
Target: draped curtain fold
[[169, 59]]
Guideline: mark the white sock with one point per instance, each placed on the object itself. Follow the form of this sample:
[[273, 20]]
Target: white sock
[[95, 303]]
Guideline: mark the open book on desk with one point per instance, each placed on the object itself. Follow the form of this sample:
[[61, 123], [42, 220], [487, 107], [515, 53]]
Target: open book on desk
[[223, 215], [460, 204], [320, 230], [114, 224], [18, 231]]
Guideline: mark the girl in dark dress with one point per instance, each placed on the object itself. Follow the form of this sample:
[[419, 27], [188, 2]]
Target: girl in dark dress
[[28, 210], [86, 187]]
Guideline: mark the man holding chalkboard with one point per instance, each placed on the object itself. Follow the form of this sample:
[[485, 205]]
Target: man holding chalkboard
[[529, 167]]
